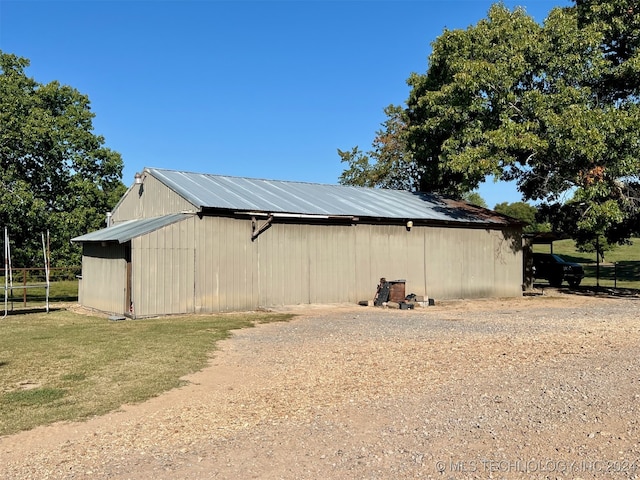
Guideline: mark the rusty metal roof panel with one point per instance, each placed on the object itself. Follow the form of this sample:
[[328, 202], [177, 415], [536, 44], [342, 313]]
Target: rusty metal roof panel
[[241, 194]]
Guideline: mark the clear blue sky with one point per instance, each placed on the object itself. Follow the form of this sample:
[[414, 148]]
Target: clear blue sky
[[262, 89]]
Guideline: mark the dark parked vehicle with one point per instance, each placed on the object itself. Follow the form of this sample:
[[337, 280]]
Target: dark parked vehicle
[[556, 270]]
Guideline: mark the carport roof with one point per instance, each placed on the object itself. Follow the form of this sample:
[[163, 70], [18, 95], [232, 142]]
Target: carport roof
[[239, 194], [125, 231]]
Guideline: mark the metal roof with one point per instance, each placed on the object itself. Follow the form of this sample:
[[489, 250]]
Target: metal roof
[[125, 231], [240, 194]]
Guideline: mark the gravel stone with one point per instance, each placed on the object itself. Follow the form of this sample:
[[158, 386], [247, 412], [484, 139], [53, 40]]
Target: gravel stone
[[535, 387]]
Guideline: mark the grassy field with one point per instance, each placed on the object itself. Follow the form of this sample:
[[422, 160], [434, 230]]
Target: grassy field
[[59, 291], [67, 366], [63, 287], [620, 268]]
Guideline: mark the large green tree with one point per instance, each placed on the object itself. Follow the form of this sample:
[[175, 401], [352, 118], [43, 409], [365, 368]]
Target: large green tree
[[525, 212], [389, 164], [55, 173], [553, 107]]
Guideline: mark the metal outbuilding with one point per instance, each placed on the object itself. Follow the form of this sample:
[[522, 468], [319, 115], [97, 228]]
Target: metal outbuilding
[[182, 242]]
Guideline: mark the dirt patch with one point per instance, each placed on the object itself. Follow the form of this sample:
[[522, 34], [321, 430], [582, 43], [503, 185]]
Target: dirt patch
[[534, 387]]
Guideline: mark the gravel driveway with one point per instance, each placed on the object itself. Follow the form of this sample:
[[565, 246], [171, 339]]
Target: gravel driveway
[[536, 387]]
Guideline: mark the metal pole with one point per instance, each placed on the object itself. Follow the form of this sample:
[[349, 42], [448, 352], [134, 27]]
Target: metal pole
[[46, 268], [6, 276], [597, 262], [10, 269]]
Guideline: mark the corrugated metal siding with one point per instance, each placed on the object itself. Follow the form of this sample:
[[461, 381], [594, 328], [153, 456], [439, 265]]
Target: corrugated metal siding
[[104, 277], [331, 262], [210, 264], [150, 199], [163, 277], [508, 280], [226, 277], [287, 264], [293, 264], [466, 263]]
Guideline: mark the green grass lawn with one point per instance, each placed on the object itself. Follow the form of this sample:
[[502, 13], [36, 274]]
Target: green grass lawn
[[621, 266], [63, 287], [66, 366], [59, 291]]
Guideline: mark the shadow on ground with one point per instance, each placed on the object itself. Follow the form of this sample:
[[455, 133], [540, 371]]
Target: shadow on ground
[[591, 290], [26, 311]]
